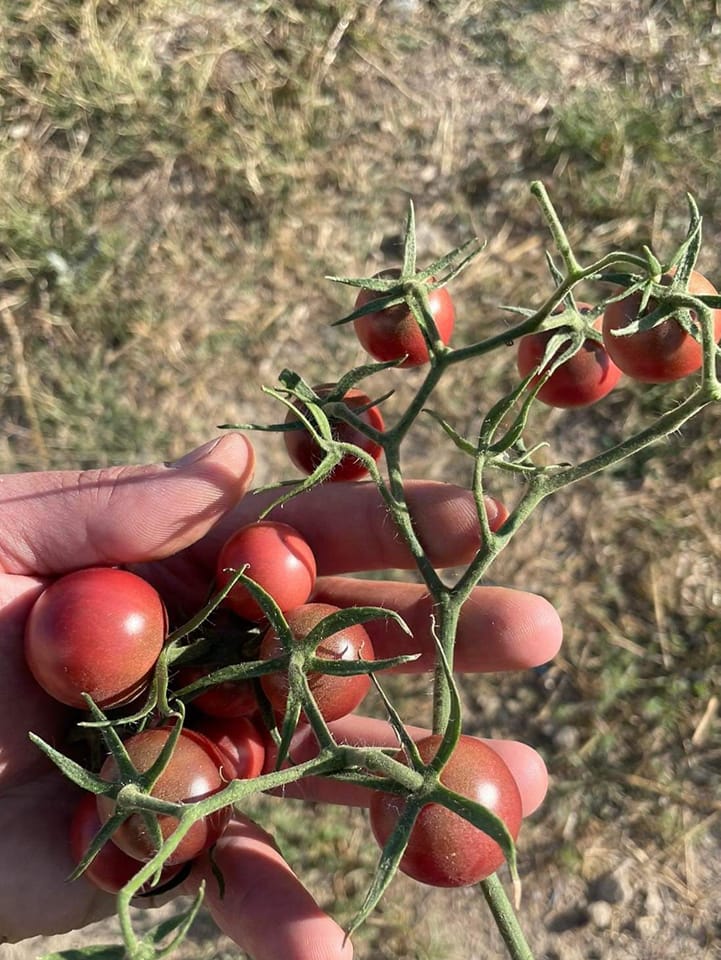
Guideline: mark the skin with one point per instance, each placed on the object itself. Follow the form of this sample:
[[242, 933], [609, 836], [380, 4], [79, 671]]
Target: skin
[[168, 523]]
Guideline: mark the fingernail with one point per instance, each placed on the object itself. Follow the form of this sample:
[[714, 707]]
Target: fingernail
[[195, 455]]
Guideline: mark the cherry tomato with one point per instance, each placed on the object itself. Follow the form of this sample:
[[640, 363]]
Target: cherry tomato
[[665, 352], [393, 333], [97, 631], [194, 772], [239, 741], [336, 696], [444, 850], [231, 698], [110, 869], [306, 453], [278, 558], [584, 378]]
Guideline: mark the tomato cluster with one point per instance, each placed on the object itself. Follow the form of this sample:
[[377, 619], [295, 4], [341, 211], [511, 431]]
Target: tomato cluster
[[219, 699], [662, 353], [98, 633]]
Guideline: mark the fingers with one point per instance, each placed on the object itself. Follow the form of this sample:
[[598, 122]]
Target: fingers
[[23, 705], [57, 521], [265, 908], [349, 528], [36, 896], [526, 765], [528, 769], [499, 628]]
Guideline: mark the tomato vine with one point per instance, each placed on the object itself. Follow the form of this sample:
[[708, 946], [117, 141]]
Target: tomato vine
[[334, 428]]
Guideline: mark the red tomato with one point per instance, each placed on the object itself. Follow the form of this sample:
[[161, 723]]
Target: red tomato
[[444, 850], [278, 558], [664, 353], [239, 741], [586, 377], [195, 771], [305, 452], [335, 696], [231, 698], [97, 631], [393, 333], [111, 869]]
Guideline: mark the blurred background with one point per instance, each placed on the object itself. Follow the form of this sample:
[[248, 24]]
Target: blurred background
[[177, 180]]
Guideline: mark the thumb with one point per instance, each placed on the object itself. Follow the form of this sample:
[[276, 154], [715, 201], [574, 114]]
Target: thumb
[[57, 521]]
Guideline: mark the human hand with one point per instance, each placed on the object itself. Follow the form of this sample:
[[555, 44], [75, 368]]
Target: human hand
[[168, 523], [52, 523]]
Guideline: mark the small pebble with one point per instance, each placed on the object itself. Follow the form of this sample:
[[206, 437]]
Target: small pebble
[[600, 914]]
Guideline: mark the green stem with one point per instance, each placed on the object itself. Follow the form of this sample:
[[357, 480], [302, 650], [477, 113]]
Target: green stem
[[505, 918], [448, 610], [555, 226], [532, 323], [395, 498], [665, 425]]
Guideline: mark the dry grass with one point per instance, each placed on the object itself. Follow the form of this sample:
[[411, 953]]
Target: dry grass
[[177, 180]]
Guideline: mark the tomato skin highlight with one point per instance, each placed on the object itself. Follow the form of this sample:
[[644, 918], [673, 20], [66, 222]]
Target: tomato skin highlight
[[239, 741], [336, 696], [444, 850], [97, 631], [110, 869], [306, 454], [587, 376], [278, 559], [194, 772], [666, 352], [393, 333]]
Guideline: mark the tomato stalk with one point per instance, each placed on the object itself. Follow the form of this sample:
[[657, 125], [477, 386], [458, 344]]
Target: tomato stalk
[[499, 445], [505, 918], [542, 482]]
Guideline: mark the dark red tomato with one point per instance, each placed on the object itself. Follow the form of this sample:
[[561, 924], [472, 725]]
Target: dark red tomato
[[444, 850], [393, 333], [231, 698], [335, 696], [111, 869], [195, 771], [278, 558], [97, 631], [586, 377], [239, 741], [305, 452], [664, 353]]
